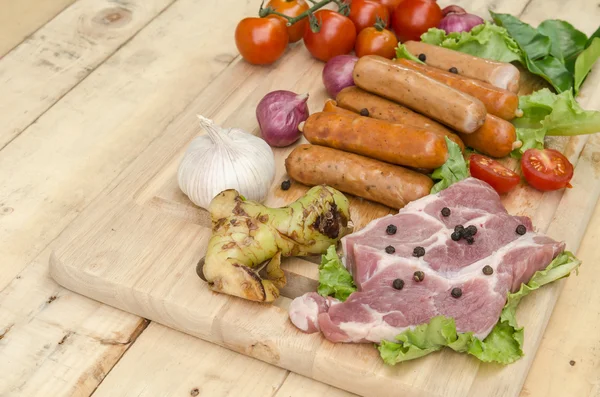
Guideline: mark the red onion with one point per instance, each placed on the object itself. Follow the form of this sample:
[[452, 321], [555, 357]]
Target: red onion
[[456, 19], [337, 73], [279, 114]]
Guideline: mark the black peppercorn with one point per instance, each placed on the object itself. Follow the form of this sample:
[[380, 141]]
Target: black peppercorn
[[418, 276], [390, 250], [470, 231], [455, 236], [445, 211], [459, 228], [456, 292], [422, 57], [487, 270], [521, 229], [391, 229], [285, 185], [419, 251], [470, 240], [364, 112], [453, 70], [398, 283]]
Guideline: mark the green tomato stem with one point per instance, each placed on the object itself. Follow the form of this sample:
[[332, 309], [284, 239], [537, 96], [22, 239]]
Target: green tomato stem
[[342, 9]]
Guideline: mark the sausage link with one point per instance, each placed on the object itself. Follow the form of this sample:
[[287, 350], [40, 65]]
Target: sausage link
[[495, 138], [378, 139], [497, 101], [499, 74], [356, 99], [360, 176], [423, 94], [331, 106]]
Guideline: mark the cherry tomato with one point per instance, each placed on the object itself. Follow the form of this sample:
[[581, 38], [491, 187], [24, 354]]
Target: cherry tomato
[[546, 169], [336, 35], [376, 41], [261, 41], [291, 8], [491, 171], [390, 4], [364, 14], [412, 18]]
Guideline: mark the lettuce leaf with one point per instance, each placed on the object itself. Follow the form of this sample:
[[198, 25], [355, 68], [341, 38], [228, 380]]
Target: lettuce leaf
[[402, 52], [503, 345], [334, 279], [546, 113], [455, 168], [584, 62], [485, 41]]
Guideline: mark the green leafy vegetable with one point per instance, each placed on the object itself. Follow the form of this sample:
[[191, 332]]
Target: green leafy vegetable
[[566, 41], [546, 113], [455, 168], [585, 61], [485, 41], [334, 279], [503, 345], [402, 52]]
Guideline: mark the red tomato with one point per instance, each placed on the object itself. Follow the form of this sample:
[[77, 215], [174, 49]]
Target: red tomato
[[412, 18], [336, 35], [546, 169], [390, 4], [376, 41], [491, 171], [291, 8], [364, 14], [261, 41]]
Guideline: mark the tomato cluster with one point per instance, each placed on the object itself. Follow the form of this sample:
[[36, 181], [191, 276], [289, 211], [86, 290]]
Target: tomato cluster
[[372, 27]]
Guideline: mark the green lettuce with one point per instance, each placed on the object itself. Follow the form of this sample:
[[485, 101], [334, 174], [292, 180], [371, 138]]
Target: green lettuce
[[455, 168], [485, 41], [334, 279], [504, 345], [402, 52], [584, 62], [546, 113]]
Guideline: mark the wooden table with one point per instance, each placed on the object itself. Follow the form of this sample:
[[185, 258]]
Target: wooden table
[[85, 87]]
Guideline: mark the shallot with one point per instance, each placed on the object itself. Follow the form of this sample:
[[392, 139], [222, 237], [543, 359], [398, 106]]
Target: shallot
[[337, 73], [279, 113], [456, 19]]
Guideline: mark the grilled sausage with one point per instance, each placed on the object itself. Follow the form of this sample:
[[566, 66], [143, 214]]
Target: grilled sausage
[[356, 99], [373, 180], [495, 138], [499, 74], [331, 106], [378, 139], [423, 94], [497, 101]]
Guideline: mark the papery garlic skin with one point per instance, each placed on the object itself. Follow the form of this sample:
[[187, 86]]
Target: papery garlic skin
[[226, 159]]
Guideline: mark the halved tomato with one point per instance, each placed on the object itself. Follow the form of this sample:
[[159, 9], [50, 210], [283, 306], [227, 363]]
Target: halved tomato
[[546, 169], [502, 179]]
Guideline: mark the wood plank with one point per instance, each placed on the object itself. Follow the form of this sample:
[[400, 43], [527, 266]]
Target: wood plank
[[62, 53], [300, 386], [105, 123], [200, 369], [19, 19]]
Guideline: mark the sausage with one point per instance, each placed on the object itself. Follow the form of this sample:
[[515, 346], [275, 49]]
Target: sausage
[[423, 94], [497, 101], [499, 74], [356, 99], [495, 138], [394, 143], [331, 106], [360, 176]]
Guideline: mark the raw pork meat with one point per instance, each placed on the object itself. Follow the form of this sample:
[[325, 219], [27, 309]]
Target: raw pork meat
[[454, 283]]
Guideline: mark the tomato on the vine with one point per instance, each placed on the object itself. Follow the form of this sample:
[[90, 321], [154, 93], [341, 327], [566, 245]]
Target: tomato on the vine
[[333, 35], [412, 18], [376, 40], [364, 14], [390, 4], [546, 169], [499, 177], [261, 41], [291, 8]]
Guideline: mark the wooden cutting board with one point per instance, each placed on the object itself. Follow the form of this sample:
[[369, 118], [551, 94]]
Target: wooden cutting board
[[136, 248]]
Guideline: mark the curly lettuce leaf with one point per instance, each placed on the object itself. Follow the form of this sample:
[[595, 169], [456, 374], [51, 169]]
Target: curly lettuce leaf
[[402, 53], [503, 345], [485, 41], [584, 62], [334, 278], [455, 168]]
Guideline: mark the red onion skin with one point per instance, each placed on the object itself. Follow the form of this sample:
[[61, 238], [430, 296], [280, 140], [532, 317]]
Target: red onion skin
[[337, 74], [278, 115], [456, 19]]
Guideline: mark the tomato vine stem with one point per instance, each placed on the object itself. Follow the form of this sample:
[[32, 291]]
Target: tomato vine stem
[[342, 9]]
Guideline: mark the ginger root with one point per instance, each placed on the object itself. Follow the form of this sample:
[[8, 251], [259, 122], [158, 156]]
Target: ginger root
[[247, 236]]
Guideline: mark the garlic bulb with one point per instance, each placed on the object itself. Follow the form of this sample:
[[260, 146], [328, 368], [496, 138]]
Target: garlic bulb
[[225, 158]]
